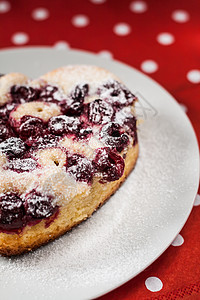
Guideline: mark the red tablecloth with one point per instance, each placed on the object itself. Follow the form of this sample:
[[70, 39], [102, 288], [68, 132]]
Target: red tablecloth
[[160, 38]]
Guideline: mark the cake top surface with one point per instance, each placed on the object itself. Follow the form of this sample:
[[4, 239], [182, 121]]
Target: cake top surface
[[58, 134]]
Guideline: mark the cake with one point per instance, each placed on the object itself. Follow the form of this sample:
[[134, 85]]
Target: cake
[[67, 142]]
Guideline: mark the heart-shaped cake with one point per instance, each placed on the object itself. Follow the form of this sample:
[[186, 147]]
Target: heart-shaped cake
[[67, 142]]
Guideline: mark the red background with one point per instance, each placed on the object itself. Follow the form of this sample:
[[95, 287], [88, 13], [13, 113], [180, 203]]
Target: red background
[[179, 267]]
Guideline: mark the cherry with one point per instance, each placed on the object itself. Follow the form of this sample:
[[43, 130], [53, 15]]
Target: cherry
[[109, 163], [13, 147], [49, 94], [99, 112], [5, 131], [117, 94], [31, 127], [80, 91], [5, 110], [48, 140], [11, 211], [39, 205], [73, 105], [22, 165], [129, 122], [63, 124], [113, 135], [3, 113], [21, 94], [80, 167], [84, 131]]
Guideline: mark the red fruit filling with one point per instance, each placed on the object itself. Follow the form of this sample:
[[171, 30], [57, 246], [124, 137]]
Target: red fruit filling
[[64, 124], [11, 211], [114, 136], [73, 105], [109, 163], [22, 165], [21, 94], [39, 205], [80, 168], [100, 112], [16, 212], [13, 147], [117, 94]]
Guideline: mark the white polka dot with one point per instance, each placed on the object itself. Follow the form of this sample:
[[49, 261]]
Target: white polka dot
[[194, 76], [178, 241], [4, 7], [197, 200], [20, 38], [122, 29], [97, 1], [180, 16], [153, 284], [183, 107], [80, 21], [165, 38], [40, 14], [61, 45], [106, 54], [149, 66], [138, 7]]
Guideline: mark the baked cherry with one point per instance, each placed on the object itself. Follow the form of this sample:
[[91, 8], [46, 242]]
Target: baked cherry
[[13, 147], [117, 94], [129, 122], [11, 211], [22, 165], [5, 110], [5, 132], [99, 112], [31, 127], [73, 105], [80, 91], [39, 205], [3, 113], [109, 163], [45, 141], [84, 131], [80, 167], [50, 94], [9, 107], [49, 140], [114, 136], [63, 124], [21, 94]]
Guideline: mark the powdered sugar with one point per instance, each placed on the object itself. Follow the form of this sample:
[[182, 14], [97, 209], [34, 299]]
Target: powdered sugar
[[21, 165], [39, 204], [62, 123], [13, 147], [116, 93], [122, 114]]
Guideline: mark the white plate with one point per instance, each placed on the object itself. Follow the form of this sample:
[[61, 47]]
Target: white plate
[[139, 222]]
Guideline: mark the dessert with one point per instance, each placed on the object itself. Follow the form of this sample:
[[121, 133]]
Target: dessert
[[67, 142]]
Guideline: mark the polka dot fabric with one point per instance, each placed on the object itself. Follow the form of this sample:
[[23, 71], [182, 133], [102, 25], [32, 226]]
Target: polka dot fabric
[[161, 40]]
